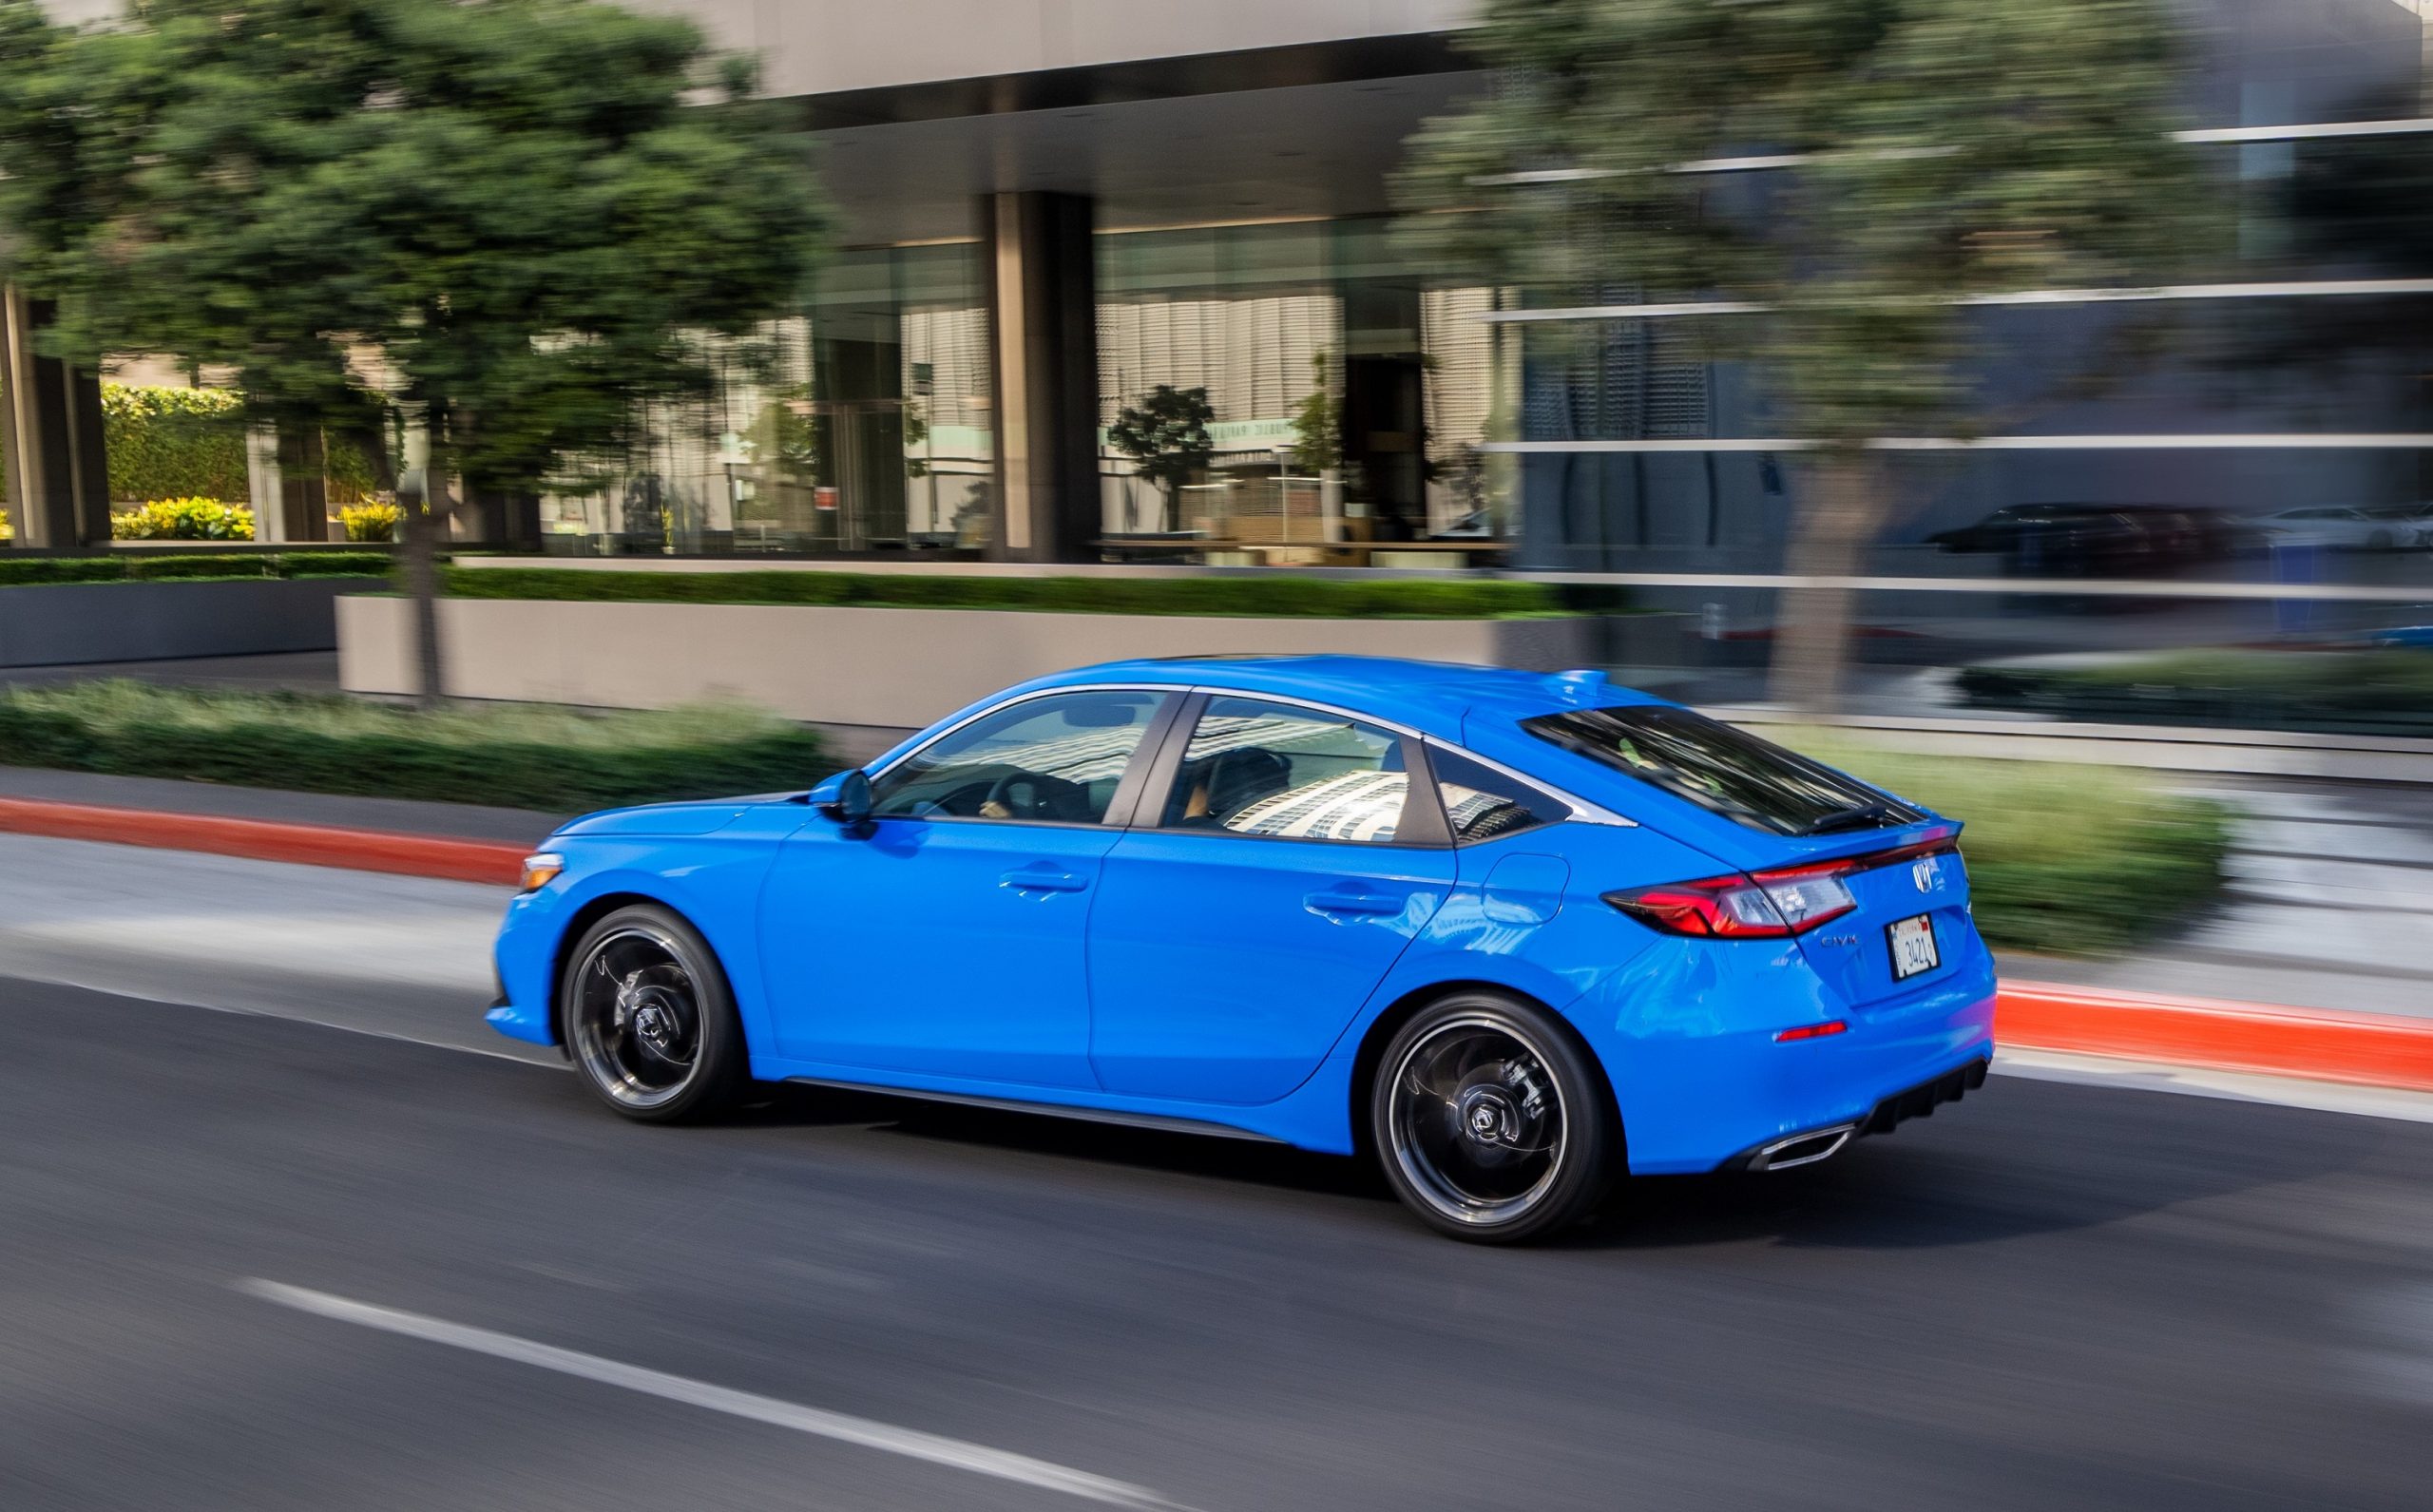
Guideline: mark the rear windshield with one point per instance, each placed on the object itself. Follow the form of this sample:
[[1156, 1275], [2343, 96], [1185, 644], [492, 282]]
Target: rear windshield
[[1722, 769]]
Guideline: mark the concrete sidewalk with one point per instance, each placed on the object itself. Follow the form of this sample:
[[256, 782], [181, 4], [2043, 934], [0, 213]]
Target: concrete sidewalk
[[2330, 906]]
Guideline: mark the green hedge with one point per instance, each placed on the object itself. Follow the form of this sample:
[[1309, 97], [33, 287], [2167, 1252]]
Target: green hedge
[[137, 567], [2383, 691], [531, 756], [1247, 598], [2063, 859], [174, 443]]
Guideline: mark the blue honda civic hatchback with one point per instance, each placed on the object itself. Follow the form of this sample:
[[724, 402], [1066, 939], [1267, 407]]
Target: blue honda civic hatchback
[[1513, 935]]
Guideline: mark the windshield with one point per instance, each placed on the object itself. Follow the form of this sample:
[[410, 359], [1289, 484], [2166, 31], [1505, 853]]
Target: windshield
[[1726, 771]]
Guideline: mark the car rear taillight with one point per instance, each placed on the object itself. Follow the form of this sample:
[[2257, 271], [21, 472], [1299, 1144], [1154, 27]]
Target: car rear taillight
[[1771, 904], [1737, 907]]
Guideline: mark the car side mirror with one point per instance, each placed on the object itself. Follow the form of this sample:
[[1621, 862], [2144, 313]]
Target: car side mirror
[[845, 798]]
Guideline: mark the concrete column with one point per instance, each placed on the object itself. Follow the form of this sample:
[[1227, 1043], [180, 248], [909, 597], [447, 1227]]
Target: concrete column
[[284, 475], [262, 483], [1042, 309], [51, 423]]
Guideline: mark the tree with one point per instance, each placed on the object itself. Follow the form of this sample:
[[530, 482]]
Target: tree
[[1166, 437], [1317, 423], [1938, 149], [509, 217]]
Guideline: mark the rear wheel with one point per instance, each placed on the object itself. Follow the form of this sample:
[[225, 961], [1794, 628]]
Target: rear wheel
[[1491, 1122], [649, 1019]]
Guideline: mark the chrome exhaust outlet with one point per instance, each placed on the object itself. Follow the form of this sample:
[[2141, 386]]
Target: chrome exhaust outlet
[[1803, 1149]]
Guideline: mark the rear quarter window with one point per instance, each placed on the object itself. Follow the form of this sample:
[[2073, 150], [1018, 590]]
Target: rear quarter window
[[1726, 771]]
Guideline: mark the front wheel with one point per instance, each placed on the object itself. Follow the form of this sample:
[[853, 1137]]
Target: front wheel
[[649, 1019], [1493, 1124]]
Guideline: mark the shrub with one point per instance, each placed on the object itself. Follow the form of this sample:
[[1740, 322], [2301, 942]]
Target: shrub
[[346, 470], [2063, 859], [185, 566], [183, 519], [370, 522], [1247, 597], [2385, 690], [174, 443], [523, 756]]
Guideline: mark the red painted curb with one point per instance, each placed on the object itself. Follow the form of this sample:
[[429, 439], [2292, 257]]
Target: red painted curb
[[416, 855], [2324, 1044]]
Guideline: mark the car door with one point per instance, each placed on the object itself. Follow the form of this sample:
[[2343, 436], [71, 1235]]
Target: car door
[[946, 936], [1282, 859]]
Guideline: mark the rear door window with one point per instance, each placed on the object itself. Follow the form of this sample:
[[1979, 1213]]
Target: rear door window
[[1284, 772], [1725, 771]]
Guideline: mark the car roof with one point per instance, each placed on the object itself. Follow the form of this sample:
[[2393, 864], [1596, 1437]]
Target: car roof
[[1430, 697]]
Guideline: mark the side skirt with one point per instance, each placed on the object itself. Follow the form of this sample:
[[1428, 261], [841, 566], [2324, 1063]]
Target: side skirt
[[1053, 1110]]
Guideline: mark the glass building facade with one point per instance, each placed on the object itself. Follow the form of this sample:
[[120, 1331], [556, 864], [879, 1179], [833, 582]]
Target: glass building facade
[[871, 432], [1363, 412]]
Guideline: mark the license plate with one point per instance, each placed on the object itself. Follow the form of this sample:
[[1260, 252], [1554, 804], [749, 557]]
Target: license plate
[[1913, 945]]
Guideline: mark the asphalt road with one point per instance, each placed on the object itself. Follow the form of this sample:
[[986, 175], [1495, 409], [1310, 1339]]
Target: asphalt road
[[2049, 1296]]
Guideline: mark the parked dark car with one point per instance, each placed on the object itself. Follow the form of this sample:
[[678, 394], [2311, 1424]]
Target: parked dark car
[[2093, 540]]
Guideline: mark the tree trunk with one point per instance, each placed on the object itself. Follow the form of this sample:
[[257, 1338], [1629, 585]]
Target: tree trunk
[[1831, 531], [425, 520]]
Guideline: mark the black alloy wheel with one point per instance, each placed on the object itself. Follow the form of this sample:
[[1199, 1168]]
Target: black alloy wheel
[[1492, 1122], [649, 1019]]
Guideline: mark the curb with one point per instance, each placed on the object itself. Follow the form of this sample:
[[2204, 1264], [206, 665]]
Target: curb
[[412, 855], [2323, 1044]]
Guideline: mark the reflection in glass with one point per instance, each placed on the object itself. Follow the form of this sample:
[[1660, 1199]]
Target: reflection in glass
[[1350, 397], [872, 432], [1263, 768]]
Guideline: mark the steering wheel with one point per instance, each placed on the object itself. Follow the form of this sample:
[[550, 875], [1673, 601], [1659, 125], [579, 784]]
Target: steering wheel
[[1036, 795]]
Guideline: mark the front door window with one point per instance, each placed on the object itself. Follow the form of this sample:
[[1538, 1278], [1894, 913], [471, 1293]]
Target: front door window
[[1055, 759]]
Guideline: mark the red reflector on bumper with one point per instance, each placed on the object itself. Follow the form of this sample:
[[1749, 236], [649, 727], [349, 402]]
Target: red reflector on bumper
[[1812, 1031]]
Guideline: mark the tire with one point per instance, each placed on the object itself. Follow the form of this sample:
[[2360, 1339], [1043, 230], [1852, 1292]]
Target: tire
[[649, 1019], [1492, 1122]]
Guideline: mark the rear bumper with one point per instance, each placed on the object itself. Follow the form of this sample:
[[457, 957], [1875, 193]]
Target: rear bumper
[[1687, 1038], [1812, 1145]]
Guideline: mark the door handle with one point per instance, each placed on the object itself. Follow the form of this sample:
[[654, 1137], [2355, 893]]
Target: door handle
[[1042, 880], [1333, 901]]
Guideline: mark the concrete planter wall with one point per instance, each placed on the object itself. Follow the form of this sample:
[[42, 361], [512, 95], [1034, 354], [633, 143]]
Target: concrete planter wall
[[890, 667], [62, 623]]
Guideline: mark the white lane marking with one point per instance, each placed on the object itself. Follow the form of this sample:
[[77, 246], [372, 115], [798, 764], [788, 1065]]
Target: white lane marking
[[2236, 1086], [910, 1442]]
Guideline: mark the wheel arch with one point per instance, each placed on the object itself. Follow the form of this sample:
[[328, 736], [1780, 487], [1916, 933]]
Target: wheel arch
[[1383, 1028]]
